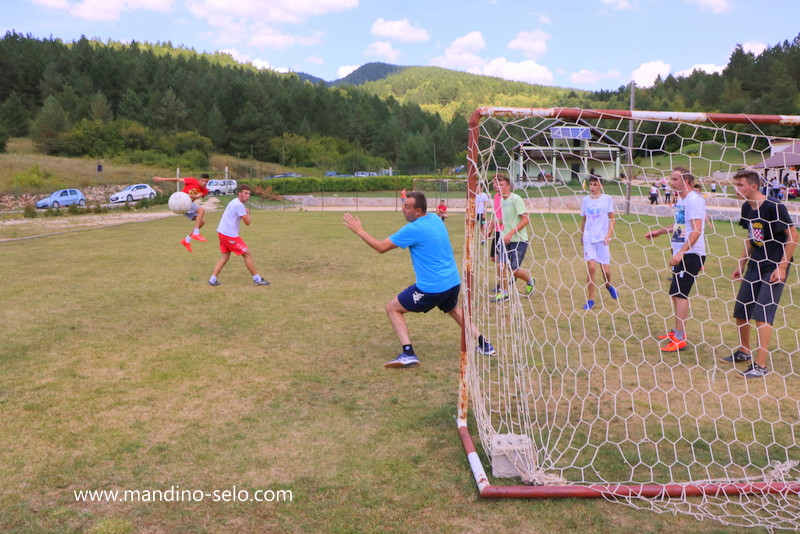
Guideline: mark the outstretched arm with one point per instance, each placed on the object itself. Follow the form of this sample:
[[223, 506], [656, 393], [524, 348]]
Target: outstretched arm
[[354, 224], [160, 179]]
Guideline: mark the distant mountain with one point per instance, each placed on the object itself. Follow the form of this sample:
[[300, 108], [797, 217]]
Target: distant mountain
[[369, 72], [309, 78]]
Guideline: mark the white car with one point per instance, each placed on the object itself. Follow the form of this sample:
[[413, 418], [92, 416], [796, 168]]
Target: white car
[[134, 192], [222, 187]]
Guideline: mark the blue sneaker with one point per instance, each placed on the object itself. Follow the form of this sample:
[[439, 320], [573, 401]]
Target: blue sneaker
[[613, 292], [260, 282], [589, 305], [486, 349], [402, 361], [214, 283]]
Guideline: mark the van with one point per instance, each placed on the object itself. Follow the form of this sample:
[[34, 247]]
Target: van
[[222, 187]]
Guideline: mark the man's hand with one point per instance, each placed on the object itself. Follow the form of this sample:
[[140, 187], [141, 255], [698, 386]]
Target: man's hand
[[353, 223], [778, 275]]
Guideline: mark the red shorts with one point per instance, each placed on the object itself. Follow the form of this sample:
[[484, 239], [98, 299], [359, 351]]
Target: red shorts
[[231, 244]]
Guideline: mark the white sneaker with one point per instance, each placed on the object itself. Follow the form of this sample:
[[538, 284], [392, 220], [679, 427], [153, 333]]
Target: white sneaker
[[401, 361]]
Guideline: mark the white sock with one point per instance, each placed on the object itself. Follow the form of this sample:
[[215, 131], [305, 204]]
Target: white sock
[[212, 279], [257, 277], [188, 239], [196, 231]]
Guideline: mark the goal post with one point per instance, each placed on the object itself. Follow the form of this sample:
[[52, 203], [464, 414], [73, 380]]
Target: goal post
[[583, 402]]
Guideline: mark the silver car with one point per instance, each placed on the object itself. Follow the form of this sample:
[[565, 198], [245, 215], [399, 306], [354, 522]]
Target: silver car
[[134, 192]]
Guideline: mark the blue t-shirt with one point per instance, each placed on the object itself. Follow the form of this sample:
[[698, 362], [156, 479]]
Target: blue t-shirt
[[431, 253]]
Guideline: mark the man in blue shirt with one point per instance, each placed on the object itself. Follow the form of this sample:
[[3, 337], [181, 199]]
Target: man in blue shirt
[[437, 280]]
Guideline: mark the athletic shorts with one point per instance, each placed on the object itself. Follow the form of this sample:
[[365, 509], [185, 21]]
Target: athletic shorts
[[192, 213], [758, 298], [415, 300], [231, 244], [481, 218], [684, 274], [597, 251], [511, 254]]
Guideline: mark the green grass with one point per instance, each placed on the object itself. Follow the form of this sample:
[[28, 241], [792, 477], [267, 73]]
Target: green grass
[[121, 369]]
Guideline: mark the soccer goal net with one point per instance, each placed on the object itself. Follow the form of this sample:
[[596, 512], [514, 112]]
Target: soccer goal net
[[583, 402]]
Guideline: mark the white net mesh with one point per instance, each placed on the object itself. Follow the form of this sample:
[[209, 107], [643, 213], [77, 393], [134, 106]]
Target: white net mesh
[[585, 397]]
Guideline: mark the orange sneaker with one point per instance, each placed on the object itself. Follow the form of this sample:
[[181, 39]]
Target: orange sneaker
[[669, 335], [186, 244], [674, 346], [199, 237]]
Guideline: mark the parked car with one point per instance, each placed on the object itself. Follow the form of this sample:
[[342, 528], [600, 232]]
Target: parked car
[[62, 197], [134, 192], [222, 187], [362, 174]]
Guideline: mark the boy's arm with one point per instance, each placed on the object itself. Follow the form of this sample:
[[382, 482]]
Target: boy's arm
[[779, 274], [612, 220], [160, 179]]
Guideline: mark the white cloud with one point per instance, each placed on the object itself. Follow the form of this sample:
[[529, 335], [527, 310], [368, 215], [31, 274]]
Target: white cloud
[[316, 60], [619, 5], [103, 9], [715, 6], [592, 77], [710, 68], [269, 12], [524, 71], [754, 48], [463, 53], [244, 58], [383, 50], [399, 30], [344, 70], [647, 73], [532, 44], [544, 19]]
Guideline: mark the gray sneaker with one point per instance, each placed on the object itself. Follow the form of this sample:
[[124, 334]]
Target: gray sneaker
[[755, 371], [261, 282], [737, 357], [214, 283]]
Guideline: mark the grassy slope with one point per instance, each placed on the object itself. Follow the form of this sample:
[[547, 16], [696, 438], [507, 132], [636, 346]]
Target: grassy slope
[[123, 369]]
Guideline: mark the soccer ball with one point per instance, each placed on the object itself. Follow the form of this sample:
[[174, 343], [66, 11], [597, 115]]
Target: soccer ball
[[180, 202]]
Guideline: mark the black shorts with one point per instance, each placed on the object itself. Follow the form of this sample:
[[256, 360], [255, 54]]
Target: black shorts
[[493, 249], [414, 299], [758, 298], [684, 274]]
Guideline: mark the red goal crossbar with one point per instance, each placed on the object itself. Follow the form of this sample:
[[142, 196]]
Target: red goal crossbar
[[485, 488]]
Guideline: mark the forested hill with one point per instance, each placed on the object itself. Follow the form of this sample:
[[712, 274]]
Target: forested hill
[[451, 93]]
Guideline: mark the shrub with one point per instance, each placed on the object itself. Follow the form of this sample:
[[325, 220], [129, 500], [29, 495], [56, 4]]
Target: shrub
[[52, 212], [30, 212], [74, 209]]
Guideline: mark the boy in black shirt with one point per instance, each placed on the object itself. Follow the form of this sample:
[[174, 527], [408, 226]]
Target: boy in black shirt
[[767, 253]]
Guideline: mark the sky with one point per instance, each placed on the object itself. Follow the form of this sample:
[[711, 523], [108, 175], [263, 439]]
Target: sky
[[582, 44]]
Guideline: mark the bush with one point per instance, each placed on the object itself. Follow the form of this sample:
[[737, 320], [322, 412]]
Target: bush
[[30, 212], [335, 184], [73, 209], [51, 212]]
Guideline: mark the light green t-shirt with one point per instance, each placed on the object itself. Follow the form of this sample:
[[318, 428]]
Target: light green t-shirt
[[513, 207]]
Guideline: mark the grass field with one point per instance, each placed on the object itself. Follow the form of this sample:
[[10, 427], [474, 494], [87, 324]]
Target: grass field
[[120, 369]]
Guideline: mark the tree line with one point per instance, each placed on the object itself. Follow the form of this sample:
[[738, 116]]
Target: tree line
[[161, 104]]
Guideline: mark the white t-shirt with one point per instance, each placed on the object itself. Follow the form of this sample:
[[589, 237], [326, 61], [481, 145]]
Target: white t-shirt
[[480, 203], [232, 218], [691, 208], [596, 211]]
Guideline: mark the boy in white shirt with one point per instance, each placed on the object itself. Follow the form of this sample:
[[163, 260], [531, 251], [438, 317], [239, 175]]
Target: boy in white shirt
[[229, 239], [597, 229]]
